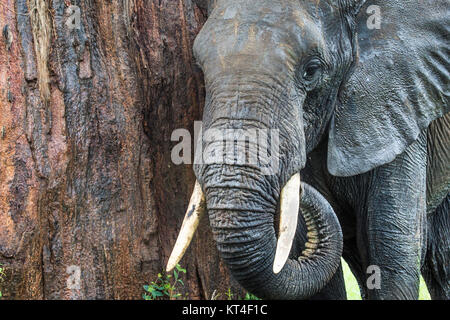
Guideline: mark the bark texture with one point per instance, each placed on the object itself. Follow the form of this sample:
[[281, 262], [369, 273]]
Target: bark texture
[[86, 178]]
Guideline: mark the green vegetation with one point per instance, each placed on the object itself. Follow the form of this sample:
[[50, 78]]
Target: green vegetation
[[423, 291], [351, 285], [249, 296], [2, 276], [165, 286], [168, 286], [230, 296]]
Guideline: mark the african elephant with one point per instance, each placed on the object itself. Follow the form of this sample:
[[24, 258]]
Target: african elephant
[[363, 119]]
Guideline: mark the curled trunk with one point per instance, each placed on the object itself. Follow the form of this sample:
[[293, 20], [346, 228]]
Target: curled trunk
[[242, 220]]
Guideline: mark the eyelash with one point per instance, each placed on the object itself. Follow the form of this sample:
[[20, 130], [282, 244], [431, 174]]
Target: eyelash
[[300, 75], [312, 64]]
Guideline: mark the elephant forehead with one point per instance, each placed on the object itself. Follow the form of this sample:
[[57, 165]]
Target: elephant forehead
[[285, 16], [251, 9], [257, 30]]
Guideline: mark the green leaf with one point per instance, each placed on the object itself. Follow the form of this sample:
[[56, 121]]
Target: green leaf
[[147, 297]]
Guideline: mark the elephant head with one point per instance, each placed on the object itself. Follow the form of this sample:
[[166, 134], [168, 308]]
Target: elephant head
[[278, 65]]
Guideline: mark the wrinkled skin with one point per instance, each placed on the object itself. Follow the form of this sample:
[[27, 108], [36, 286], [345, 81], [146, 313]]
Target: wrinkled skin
[[292, 66]]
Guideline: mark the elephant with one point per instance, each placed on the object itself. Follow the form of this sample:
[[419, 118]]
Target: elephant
[[363, 154]]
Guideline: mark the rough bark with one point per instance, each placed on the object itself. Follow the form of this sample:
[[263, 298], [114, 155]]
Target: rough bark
[[86, 177]]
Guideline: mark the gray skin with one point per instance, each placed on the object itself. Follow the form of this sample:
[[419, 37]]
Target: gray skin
[[353, 109]]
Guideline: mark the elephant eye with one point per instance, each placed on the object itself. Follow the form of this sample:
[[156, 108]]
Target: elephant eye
[[312, 72]]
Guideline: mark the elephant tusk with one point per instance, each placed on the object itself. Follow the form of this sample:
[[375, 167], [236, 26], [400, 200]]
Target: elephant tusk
[[196, 209], [289, 206]]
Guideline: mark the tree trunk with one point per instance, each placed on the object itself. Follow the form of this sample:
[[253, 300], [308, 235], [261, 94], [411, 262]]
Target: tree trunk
[[86, 177]]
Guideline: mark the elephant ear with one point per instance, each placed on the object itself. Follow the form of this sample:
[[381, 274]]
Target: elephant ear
[[399, 85]]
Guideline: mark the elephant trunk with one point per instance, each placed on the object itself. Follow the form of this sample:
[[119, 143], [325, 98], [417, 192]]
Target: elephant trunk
[[242, 217], [246, 239]]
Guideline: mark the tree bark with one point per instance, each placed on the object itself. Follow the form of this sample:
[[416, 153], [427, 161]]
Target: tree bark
[[86, 177]]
